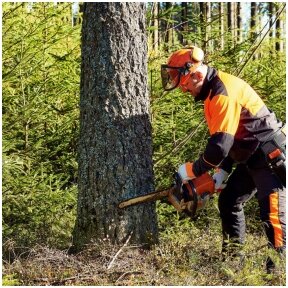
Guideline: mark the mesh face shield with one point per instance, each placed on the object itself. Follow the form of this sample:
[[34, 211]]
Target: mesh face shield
[[181, 64], [171, 75]]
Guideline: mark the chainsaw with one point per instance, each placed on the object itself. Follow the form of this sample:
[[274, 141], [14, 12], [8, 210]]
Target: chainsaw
[[197, 195]]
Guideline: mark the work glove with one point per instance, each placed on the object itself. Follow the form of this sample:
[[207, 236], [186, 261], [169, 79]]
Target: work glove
[[185, 172], [220, 177]]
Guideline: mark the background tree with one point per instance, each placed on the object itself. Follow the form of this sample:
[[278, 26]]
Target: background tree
[[168, 33], [115, 148], [253, 21], [156, 25], [184, 23], [221, 24], [239, 22], [279, 31], [231, 22]]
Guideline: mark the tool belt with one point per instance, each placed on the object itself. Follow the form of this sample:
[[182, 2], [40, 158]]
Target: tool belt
[[275, 153]]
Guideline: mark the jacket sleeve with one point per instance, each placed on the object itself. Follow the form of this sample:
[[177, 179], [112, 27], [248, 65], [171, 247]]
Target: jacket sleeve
[[223, 123]]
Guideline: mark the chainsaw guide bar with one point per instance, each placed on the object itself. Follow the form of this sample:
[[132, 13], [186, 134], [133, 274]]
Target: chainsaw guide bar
[[153, 196]]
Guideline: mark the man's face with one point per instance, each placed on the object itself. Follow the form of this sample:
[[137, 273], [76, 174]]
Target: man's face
[[192, 85]]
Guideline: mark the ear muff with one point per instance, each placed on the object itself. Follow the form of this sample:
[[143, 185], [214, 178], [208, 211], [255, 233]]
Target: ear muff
[[197, 54]]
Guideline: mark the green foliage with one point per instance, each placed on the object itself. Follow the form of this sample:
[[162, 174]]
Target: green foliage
[[10, 280], [41, 67]]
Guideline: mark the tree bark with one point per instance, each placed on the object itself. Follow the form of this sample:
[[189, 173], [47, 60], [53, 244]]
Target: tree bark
[[221, 25], [278, 32], [208, 27], [184, 23], [239, 23], [168, 28], [156, 26], [115, 146], [271, 13], [253, 23], [231, 22], [203, 18]]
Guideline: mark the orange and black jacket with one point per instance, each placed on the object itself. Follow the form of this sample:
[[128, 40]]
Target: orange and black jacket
[[237, 118]]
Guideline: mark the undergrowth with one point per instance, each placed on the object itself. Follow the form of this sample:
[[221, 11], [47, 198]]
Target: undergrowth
[[187, 255]]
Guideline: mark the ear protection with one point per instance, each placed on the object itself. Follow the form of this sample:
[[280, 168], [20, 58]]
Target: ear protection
[[197, 53]]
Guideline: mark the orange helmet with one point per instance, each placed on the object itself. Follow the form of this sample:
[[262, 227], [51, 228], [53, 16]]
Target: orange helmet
[[183, 62]]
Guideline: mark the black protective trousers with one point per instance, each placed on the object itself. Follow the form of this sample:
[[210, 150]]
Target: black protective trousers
[[242, 185]]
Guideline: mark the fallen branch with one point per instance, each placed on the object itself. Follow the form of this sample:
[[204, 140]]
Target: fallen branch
[[128, 273], [119, 251]]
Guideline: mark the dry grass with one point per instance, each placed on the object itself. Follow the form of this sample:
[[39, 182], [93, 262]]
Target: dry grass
[[187, 257], [188, 254]]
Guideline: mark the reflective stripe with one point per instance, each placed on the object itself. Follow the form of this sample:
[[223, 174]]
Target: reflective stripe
[[274, 219], [211, 164], [189, 170]]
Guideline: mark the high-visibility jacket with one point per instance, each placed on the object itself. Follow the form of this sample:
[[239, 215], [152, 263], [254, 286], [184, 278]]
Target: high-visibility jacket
[[237, 118]]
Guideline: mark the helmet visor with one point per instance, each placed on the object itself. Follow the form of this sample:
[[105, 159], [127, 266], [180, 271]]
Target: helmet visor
[[170, 77]]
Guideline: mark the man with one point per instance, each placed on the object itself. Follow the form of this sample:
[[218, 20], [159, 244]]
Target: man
[[244, 132]]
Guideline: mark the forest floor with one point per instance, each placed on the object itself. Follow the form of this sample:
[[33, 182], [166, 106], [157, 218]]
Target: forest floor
[[175, 261]]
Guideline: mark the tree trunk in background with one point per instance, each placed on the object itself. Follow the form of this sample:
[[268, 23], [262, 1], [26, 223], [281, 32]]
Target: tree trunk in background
[[279, 31], [156, 26], [115, 146], [203, 24], [221, 24], [231, 22], [270, 14], [168, 36], [239, 23], [194, 25], [253, 27], [208, 39], [184, 23]]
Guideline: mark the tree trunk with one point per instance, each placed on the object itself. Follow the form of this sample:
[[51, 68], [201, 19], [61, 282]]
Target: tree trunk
[[208, 38], [184, 23], [203, 18], [156, 26], [168, 28], [270, 13], [253, 14], [231, 22], [278, 32], [115, 146], [221, 25], [239, 23]]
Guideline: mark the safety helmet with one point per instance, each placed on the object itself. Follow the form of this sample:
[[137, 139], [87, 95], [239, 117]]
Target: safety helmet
[[180, 65]]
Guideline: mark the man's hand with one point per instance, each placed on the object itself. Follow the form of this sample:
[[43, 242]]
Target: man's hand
[[220, 178], [185, 172]]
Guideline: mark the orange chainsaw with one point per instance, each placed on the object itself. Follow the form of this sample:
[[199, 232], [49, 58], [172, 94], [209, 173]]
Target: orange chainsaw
[[185, 198]]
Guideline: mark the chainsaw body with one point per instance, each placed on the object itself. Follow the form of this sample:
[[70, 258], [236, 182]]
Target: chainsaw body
[[200, 188]]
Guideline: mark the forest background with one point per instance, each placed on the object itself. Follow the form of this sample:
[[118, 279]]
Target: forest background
[[40, 126]]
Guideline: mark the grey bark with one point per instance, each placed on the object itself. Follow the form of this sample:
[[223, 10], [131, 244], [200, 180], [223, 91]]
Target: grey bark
[[156, 26], [239, 23], [184, 23], [221, 24], [278, 32], [231, 21], [203, 20], [253, 22], [208, 27], [115, 145], [270, 14], [168, 28]]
